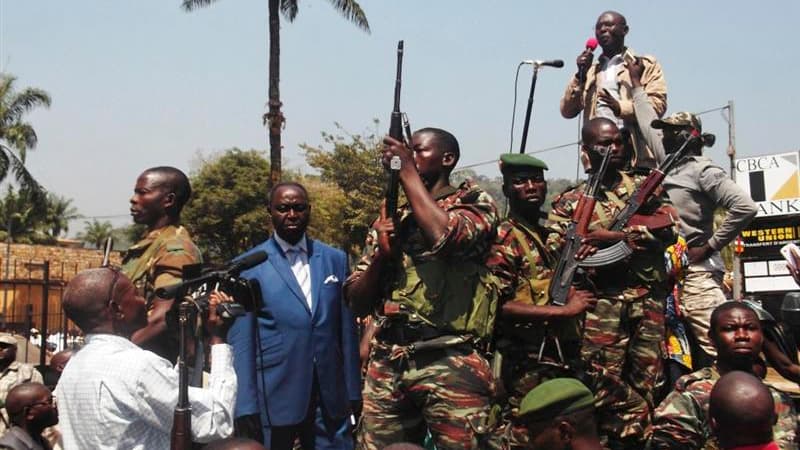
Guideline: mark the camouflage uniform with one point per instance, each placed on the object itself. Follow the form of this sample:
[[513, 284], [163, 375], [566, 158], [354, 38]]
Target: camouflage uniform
[[625, 331], [523, 266], [15, 374], [157, 261], [681, 421], [425, 371]]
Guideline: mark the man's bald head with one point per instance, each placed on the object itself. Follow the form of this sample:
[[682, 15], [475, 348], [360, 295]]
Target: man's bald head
[[594, 128], [60, 359], [742, 410], [403, 446], [617, 16], [23, 396], [87, 295]]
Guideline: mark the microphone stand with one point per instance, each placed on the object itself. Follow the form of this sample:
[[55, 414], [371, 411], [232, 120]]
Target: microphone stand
[[528, 110], [181, 436]]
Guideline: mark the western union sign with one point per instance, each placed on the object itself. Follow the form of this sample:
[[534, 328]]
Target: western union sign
[[773, 182]]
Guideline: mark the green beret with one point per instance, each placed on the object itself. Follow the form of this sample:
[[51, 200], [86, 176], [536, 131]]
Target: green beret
[[518, 161], [556, 397]]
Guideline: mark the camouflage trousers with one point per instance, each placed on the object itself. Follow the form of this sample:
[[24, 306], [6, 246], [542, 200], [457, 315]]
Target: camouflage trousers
[[625, 336], [446, 390], [700, 295], [622, 414]]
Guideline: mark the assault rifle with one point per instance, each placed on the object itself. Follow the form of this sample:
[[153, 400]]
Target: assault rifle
[[396, 131], [643, 193], [561, 281]]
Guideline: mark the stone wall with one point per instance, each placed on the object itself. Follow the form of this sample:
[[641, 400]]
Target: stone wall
[[22, 281]]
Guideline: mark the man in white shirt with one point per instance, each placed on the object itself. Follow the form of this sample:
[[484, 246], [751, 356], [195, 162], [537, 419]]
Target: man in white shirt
[[603, 89], [113, 394]]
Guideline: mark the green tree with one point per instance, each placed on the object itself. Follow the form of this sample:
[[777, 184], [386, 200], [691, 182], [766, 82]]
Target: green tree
[[59, 212], [274, 119], [95, 233], [227, 214], [350, 161], [16, 135], [24, 217]]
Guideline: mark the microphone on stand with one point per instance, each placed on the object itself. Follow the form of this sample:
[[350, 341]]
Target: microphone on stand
[[557, 63]]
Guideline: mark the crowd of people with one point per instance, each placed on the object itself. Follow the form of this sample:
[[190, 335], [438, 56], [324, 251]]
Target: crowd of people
[[449, 331]]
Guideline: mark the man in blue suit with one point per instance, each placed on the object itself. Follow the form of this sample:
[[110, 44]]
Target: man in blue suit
[[297, 357]]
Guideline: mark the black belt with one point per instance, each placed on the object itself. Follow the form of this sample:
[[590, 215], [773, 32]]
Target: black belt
[[405, 333]]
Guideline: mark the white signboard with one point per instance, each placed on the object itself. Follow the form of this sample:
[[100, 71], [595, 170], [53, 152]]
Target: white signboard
[[773, 182]]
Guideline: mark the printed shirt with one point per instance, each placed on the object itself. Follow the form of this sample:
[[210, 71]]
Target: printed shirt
[[681, 419], [472, 218], [647, 267], [158, 259], [114, 395]]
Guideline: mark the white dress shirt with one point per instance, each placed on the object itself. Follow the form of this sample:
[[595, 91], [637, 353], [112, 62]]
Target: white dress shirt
[[297, 255], [114, 395], [607, 79]]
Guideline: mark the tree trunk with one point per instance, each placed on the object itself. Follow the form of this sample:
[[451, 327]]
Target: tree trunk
[[274, 118]]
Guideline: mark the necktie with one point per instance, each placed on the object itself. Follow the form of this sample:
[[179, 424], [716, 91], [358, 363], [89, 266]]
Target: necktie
[[301, 272]]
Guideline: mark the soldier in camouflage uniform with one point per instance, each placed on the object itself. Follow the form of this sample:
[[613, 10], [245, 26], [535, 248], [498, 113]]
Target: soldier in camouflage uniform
[[681, 420], [158, 258], [537, 341], [12, 373], [428, 285], [625, 331]]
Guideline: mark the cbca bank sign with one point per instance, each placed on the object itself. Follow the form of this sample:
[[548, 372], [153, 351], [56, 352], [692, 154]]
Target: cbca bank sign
[[773, 182]]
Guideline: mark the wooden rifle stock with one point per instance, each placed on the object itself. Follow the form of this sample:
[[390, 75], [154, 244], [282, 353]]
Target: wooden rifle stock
[[561, 282], [650, 184]]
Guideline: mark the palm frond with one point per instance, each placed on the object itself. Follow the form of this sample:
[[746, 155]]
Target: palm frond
[[21, 137], [25, 179], [23, 102], [289, 9], [191, 5], [352, 11]]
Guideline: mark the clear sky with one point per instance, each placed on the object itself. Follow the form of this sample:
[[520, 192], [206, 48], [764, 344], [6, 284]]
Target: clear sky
[[142, 83]]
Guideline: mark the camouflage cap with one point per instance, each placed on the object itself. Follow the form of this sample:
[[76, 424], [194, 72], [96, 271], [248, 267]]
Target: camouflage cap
[[6, 338], [519, 161], [679, 119], [554, 398]]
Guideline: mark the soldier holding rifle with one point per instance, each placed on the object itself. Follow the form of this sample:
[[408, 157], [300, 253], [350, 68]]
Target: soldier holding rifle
[[537, 340], [428, 284], [623, 333]]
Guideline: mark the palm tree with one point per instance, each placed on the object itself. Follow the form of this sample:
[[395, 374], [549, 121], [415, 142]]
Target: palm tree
[[17, 136], [274, 119], [95, 233], [59, 213]]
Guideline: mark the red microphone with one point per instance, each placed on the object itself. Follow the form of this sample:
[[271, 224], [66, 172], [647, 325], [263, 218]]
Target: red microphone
[[591, 44]]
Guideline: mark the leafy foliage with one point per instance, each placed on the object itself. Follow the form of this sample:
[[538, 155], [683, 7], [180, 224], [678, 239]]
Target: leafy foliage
[[34, 219], [16, 135], [227, 214], [95, 233], [350, 162]]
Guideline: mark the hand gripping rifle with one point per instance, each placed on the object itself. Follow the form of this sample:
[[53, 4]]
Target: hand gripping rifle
[[643, 193], [577, 229]]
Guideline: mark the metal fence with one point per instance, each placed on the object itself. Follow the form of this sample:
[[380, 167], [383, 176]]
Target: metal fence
[[30, 296]]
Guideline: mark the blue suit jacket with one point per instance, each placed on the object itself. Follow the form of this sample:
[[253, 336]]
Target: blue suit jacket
[[278, 350]]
